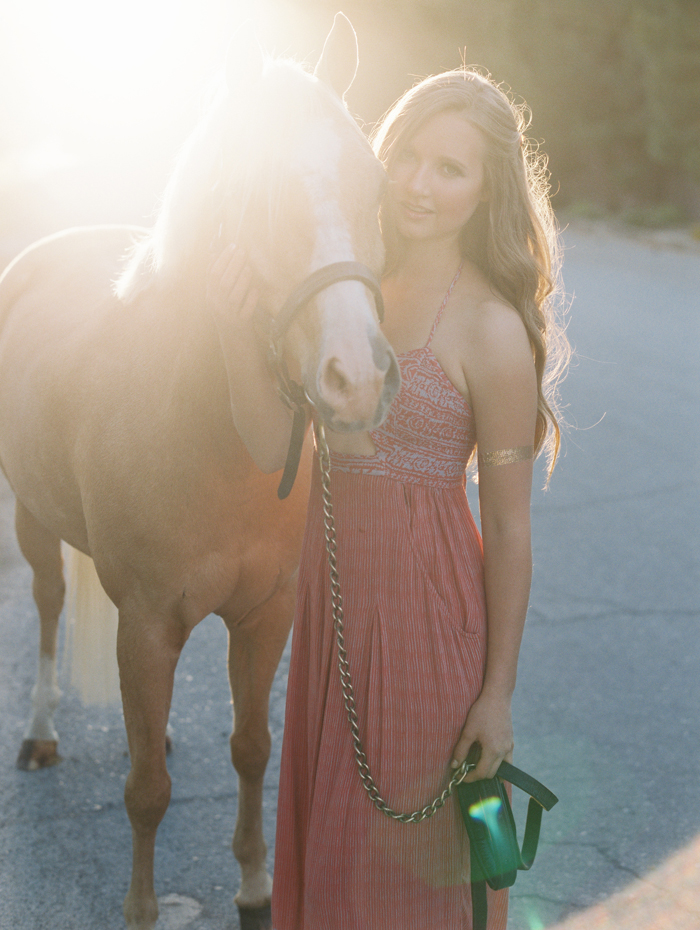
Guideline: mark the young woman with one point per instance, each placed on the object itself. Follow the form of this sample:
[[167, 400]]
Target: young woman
[[433, 615]]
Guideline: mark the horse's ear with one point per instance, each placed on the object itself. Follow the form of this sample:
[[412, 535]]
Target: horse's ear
[[337, 65], [244, 57]]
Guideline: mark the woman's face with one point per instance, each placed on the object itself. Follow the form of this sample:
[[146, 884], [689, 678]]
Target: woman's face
[[437, 179]]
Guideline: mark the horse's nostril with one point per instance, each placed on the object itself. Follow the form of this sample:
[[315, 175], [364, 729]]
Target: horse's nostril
[[358, 396], [382, 356], [333, 378]]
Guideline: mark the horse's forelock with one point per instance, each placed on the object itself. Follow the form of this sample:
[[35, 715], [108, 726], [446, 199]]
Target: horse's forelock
[[239, 152]]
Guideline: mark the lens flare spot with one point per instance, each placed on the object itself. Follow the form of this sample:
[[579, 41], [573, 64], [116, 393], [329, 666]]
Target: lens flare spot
[[487, 811], [534, 921]]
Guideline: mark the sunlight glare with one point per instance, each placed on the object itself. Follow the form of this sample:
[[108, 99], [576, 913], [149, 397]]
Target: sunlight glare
[[96, 98], [95, 71]]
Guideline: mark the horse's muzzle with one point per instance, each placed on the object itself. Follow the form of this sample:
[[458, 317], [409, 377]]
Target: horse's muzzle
[[348, 403]]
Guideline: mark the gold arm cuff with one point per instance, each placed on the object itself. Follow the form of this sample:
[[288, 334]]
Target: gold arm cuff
[[505, 456]]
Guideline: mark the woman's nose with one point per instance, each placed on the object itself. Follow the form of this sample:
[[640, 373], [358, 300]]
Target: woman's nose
[[418, 180]]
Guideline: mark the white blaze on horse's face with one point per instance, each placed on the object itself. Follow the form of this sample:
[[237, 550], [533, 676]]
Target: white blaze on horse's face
[[352, 375]]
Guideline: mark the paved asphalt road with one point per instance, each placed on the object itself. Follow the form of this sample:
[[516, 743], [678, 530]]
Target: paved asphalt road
[[609, 688]]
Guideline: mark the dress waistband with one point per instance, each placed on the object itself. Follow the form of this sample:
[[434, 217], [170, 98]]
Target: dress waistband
[[416, 472]]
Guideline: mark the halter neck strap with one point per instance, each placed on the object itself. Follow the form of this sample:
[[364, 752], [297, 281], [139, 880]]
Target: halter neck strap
[[444, 303]]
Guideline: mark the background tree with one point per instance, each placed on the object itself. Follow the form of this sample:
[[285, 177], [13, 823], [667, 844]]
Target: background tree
[[614, 85]]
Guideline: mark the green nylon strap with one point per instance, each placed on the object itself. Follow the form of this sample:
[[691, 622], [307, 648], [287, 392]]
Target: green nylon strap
[[541, 798], [544, 797]]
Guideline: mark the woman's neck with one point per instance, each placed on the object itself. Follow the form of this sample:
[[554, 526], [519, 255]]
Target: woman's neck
[[421, 261]]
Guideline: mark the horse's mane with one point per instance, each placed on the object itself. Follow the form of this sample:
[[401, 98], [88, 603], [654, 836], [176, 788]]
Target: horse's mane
[[237, 154]]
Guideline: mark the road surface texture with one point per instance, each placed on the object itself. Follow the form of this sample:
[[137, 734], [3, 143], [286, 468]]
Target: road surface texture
[[609, 687]]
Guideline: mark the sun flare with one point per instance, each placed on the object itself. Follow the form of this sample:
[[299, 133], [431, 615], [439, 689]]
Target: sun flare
[[96, 98], [92, 73]]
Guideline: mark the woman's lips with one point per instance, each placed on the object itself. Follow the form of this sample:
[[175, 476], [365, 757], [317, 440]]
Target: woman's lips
[[411, 209]]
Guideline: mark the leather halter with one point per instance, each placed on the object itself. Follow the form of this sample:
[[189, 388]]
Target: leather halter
[[292, 393]]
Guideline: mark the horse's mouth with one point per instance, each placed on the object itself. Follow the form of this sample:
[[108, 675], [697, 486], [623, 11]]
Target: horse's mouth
[[335, 422], [341, 426]]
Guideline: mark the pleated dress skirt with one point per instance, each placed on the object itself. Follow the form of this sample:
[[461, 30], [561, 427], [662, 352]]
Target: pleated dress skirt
[[411, 575]]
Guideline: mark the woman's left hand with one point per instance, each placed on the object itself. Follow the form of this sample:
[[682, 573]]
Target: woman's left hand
[[490, 726]]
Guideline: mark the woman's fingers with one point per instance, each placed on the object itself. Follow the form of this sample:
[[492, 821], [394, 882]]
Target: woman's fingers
[[222, 259], [467, 747], [486, 738], [229, 285], [487, 760], [486, 767], [249, 304]]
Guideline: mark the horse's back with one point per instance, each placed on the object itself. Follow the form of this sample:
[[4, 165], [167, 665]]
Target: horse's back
[[69, 243], [78, 259]]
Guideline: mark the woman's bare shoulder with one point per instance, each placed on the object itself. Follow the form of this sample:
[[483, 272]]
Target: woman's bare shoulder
[[487, 328], [498, 326], [481, 341]]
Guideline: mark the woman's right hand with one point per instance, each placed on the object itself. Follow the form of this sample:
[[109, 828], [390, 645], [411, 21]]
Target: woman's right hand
[[261, 419], [230, 292]]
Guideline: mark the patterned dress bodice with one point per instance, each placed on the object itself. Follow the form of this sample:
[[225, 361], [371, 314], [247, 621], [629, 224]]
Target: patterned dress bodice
[[428, 434]]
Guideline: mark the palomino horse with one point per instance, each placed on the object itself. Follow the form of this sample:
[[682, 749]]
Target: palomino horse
[[116, 431]]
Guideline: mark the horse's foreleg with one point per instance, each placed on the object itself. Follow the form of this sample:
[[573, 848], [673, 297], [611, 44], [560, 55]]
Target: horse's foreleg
[[147, 649], [255, 648], [43, 552]]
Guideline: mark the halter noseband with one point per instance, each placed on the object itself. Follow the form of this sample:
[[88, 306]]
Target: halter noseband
[[293, 394]]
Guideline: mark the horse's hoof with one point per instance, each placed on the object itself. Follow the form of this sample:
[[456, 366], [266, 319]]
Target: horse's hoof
[[255, 918], [38, 754]]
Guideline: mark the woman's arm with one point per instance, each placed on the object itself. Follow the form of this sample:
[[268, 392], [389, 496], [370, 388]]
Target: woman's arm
[[261, 419], [503, 393]]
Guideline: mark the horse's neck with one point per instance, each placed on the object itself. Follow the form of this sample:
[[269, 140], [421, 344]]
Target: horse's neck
[[186, 349]]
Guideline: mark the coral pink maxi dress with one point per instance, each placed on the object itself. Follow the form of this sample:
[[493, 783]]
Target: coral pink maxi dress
[[411, 575]]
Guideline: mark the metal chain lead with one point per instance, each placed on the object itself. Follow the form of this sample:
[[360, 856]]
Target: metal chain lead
[[344, 663]]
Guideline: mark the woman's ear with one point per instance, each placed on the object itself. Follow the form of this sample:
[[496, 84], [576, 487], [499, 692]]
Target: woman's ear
[[337, 65]]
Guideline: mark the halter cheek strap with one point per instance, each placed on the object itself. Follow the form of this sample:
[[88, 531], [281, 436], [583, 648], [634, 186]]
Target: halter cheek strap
[[319, 281], [293, 394]]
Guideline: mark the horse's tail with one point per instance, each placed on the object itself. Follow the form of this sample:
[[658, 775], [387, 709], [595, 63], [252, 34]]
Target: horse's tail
[[91, 631]]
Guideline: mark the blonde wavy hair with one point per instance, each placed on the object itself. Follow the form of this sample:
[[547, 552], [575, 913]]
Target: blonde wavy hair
[[512, 237]]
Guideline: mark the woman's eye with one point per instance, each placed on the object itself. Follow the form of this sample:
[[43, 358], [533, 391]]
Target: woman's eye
[[452, 171]]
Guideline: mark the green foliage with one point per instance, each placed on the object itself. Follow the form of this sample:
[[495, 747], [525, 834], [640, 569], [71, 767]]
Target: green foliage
[[613, 85], [667, 34], [655, 216], [586, 210]]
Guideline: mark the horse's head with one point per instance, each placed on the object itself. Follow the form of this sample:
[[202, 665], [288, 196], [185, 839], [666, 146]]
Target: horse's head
[[281, 168], [303, 190]]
